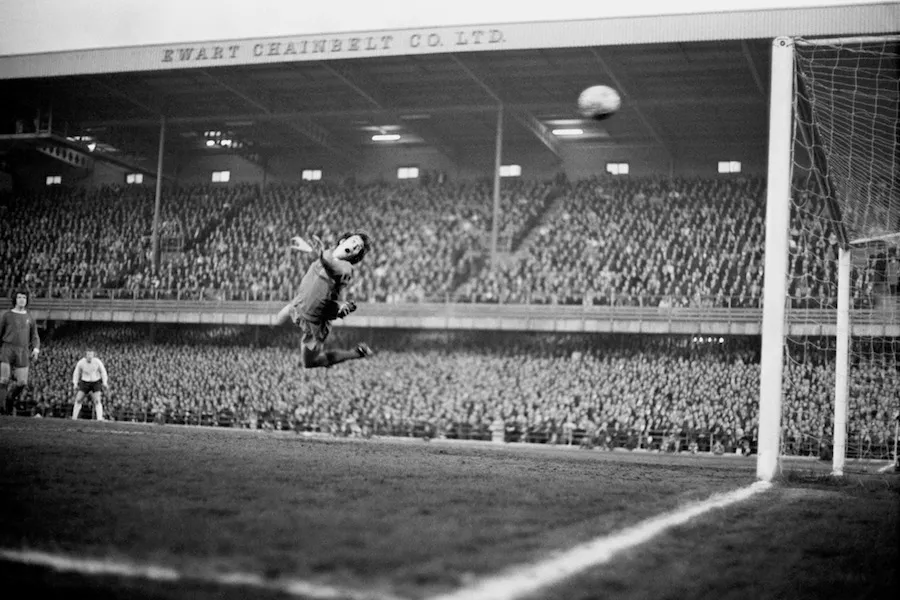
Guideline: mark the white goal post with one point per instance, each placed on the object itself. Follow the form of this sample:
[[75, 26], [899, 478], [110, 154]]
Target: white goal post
[[833, 154], [778, 204]]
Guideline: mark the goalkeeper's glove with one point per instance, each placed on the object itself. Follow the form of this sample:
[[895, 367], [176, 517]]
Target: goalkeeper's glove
[[345, 308]]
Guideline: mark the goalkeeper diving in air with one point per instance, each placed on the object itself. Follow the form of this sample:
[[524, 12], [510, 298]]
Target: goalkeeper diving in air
[[318, 302]]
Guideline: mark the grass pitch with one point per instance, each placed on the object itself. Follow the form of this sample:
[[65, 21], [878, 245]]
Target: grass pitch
[[414, 519]]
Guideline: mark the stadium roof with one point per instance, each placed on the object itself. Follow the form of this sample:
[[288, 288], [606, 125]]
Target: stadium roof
[[675, 96], [678, 95]]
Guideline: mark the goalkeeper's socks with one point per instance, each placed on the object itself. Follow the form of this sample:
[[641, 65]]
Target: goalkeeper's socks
[[76, 410], [99, 408], [11, 397]]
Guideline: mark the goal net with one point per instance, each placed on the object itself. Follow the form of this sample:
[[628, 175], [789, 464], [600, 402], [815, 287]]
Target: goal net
[[840, 329]]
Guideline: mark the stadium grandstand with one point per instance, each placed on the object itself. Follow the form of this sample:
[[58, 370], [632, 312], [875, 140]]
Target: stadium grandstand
[[539, 279]]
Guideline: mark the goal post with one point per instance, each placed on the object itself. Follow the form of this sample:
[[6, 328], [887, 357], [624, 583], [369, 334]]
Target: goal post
[[778, 202], [841, 363], [831, 331]]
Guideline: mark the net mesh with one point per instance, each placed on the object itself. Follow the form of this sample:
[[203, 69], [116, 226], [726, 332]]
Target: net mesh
[[844, 194]]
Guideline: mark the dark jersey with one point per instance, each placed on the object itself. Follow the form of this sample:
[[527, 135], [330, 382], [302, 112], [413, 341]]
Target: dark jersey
[[19, 329], [320, 291]]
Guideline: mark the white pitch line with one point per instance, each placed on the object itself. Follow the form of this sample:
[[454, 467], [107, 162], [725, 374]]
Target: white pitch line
[[526, 579], [509, 585], [93, 566]]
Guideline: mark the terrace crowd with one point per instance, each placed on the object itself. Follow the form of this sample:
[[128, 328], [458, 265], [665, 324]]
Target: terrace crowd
[[657, 392], [602, 241]]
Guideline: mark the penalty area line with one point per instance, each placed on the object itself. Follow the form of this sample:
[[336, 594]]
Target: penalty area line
[[131, 570], [523, 580]]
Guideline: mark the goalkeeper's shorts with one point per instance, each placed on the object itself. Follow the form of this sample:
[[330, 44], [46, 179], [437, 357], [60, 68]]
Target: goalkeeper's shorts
[[314, 333]]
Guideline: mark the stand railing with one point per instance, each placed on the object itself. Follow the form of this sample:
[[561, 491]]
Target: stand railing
[[664, 441]]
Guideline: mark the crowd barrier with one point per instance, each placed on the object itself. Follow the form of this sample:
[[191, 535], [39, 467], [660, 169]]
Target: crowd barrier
[[859, 446]]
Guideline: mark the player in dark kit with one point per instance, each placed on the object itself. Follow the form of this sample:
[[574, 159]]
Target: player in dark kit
[[17, 331], [318, 301]]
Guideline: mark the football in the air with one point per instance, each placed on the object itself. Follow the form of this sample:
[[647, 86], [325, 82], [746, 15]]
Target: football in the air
[[599, 102]]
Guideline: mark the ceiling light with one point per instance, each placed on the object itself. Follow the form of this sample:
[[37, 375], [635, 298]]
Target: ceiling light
[[568, 131], [385, 137], [210, 143]]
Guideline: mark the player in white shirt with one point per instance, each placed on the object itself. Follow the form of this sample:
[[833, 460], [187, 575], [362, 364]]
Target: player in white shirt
[[89, 377]]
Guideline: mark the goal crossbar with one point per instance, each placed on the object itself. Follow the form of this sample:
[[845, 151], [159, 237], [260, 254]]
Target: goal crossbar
[[889, 239], [846, 40]]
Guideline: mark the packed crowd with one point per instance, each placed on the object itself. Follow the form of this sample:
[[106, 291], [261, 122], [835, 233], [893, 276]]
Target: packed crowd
[[59, 239], [633, 391], [420, 239], [812, 261], [664, 242], [76, 239], [873, 403], [427, 239], [667, 242]]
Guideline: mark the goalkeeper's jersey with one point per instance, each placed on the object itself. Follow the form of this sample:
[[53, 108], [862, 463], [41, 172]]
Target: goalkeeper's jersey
[[317, 299]]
